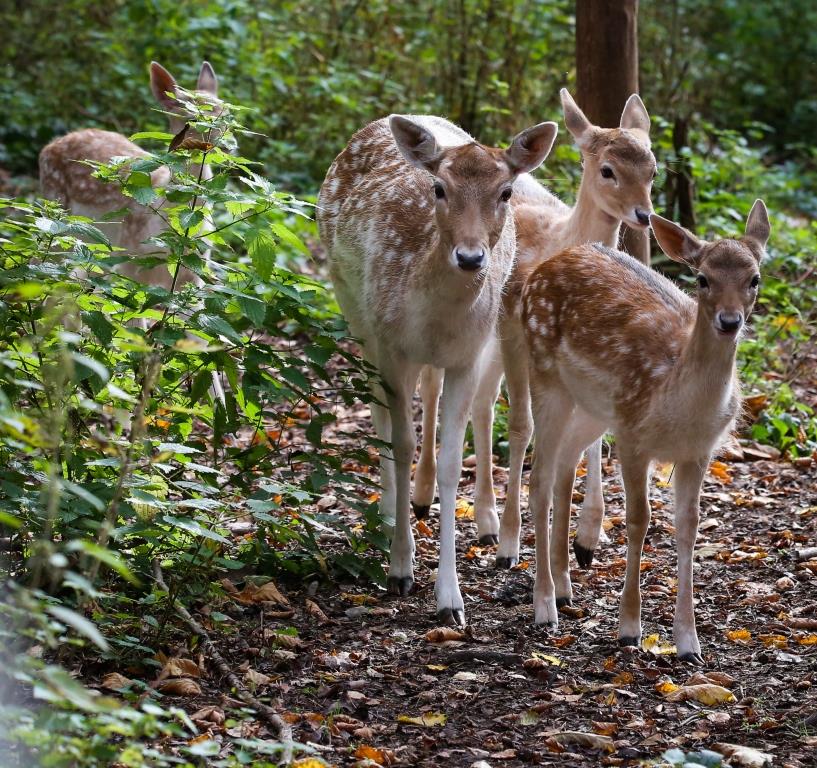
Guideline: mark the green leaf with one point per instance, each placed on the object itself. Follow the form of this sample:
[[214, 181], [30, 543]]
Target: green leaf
[[261, 248], [80, 624], [253, 309], [218, 326], [289, 237], [87, 366]]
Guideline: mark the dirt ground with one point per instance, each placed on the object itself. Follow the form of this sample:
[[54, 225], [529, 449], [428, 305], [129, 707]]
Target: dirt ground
[[369, 679]]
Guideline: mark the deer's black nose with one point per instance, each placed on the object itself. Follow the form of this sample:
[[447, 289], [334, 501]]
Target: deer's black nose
[[470, 260], [642, 216], [729, 322]]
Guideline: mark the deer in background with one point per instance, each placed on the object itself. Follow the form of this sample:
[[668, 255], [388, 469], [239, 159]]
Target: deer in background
[[614, 345], [619, 169], [416, 220], [65, 177]]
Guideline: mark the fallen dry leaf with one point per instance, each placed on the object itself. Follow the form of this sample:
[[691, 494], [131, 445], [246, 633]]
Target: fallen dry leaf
[[464, 509], [311, 762], [590, 740], [181, 687], [427, 719], [379, 756], [266, 593], [720, 472], [316, 612], [747, 757], [653, 644], [707, 693], [209, 715], [115, 682], [666, 687], [443, 634], [177, 667], [256, 678], [739, 635]]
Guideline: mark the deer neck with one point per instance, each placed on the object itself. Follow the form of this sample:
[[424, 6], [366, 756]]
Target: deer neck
[[590, 224], [708, 359]]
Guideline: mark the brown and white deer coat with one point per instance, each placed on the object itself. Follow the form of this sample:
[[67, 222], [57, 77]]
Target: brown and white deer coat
[[614, 345], [414, 214], [618, 170]]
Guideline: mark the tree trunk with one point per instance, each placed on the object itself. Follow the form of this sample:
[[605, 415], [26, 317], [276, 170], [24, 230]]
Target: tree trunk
[[607, 73]]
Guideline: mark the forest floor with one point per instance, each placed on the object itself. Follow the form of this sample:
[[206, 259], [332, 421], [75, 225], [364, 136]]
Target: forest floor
[[361, 675]]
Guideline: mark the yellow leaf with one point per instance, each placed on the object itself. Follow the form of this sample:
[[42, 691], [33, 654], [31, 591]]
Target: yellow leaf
[[423, 529], [436, 667], [311, 762], [665, 687], [807, 640], [774, 641], [552, 660], [709, 694], [739, 635], [623, 678], [653, 644], [720, 472], [427, 719], [464, 509], [365, 752], [786, 323], [357, 599]]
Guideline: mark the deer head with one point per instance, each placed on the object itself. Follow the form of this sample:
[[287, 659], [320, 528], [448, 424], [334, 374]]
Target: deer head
[[471, 185], [172, 97], [619, 167], [727, 270]]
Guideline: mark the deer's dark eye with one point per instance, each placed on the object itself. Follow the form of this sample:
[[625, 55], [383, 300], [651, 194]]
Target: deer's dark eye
[[755, 281], [702, 282], [607, 172], [439, 192], [505, 195]]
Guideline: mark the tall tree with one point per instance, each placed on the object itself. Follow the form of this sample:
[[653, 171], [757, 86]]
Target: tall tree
[[607, 73]]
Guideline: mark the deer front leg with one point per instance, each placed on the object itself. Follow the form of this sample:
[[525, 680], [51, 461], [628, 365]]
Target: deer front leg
[[552, 407], [482, 421], [520, 429], [581, 429], [589, 529], [458, 390], [635, 472], [401, 380], [688, 478], [425, 474]]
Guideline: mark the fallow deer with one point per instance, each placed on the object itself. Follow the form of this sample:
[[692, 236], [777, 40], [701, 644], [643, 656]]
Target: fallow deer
[[416, 219], [616, 182], [66, 177], [614, 345]]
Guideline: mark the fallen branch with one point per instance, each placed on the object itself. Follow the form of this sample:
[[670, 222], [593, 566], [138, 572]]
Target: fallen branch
[[278, 724]]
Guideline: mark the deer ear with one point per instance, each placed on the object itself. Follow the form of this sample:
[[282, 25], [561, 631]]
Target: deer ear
[[679, 244], [207, 82], [529, 149], [575, 120], [162, 83], [757, 225], [416, 143], [635, 115]]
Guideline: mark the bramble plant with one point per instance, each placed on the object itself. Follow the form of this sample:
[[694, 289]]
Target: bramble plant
[[114, 453]]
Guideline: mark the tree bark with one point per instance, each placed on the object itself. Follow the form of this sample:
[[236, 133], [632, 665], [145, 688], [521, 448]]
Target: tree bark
[[607, 73]]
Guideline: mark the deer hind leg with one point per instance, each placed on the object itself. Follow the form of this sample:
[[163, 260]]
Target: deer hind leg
[[635, 472], [589, 530], [552, 410], [688, 478], [458, 391], [482, 421], [425, 475], [401, 379], [581, 430], [520, 430]]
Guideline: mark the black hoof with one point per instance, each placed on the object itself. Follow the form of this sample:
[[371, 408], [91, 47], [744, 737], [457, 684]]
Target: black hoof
[[454, 616], [692, 658], [629, 642], [562, 601], [506, 562], [488, 539], [584, 557], [420, 510], [401, 586]]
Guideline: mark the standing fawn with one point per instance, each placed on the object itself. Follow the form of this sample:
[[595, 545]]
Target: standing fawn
[[415, 217], [614, 345], [616, 182], [64, 176]]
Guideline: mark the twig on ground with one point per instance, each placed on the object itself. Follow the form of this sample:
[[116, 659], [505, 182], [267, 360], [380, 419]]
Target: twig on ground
[[280, 726]]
